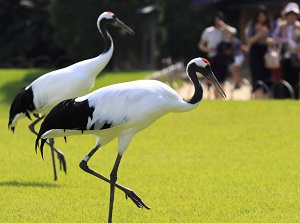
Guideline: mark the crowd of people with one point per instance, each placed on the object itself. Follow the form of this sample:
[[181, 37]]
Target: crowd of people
[[226, 52]]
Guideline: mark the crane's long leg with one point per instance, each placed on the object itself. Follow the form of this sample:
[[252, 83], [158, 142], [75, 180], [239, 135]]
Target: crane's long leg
[[128, 192], [60, 155], [113, 179]]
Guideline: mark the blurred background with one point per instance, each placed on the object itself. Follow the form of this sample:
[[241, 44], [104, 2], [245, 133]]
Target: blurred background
[[56, 33]]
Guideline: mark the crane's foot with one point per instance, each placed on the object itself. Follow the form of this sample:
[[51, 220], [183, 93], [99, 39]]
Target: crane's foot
[[62, 162], [135, 198]]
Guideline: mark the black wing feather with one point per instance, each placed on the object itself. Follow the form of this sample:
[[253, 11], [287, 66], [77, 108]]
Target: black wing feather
[[68, 114]]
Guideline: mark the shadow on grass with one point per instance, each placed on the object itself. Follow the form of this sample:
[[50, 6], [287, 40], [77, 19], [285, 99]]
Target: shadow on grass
[[11, 89], [14, 183]]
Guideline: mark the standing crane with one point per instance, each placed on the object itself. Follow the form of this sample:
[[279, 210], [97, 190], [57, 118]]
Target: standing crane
[[75, 80], [121, 110]]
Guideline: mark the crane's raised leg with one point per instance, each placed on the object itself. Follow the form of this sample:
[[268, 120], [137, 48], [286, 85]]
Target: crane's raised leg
[[60, 155], [128, 192]]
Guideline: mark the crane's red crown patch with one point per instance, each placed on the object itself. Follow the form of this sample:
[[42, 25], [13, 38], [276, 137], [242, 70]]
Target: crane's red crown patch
[[206, 61]]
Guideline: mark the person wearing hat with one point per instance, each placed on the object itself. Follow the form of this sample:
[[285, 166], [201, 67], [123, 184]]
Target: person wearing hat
[[287, 34]]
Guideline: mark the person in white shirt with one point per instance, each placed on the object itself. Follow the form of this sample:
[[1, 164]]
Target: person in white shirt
[[209, 42]]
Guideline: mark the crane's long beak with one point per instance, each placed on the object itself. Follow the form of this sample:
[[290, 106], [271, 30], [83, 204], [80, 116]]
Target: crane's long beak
[[122, 25], [216, 84]]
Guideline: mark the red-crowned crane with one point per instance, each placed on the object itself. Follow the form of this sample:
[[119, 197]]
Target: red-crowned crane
[[121, 110], [75, 80]]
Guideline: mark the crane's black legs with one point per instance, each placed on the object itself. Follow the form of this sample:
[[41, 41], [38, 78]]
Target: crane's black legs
[[60, 155], [128, 192], [51, 142], [113, 179]]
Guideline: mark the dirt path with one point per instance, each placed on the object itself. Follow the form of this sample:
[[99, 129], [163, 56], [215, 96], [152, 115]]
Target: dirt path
[[243, 93]]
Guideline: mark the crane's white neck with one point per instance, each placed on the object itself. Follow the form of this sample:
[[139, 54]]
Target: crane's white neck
[[95, 65], [99, 63]]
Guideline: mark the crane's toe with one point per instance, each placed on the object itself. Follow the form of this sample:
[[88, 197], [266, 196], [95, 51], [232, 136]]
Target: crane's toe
[[136, 199], [62, 162]]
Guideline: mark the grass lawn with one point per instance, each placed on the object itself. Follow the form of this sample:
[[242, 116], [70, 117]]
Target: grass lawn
[[225, 161]]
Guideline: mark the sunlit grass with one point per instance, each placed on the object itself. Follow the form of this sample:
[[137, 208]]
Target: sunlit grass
[[225, 161]]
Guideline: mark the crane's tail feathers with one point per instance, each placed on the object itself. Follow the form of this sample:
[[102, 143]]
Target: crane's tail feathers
[[27, 115], [42, 147], [38, 146], [10, 127]]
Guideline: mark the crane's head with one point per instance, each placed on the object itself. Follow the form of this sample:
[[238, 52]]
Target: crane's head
[[203, 66], [111, 18]]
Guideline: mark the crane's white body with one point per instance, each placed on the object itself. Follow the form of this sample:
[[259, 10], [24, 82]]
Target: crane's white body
[[128, 107], [70, 82]]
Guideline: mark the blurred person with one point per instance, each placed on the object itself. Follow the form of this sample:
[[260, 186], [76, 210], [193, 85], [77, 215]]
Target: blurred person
[[287, 33], [276, 73], [258, 38], [211, 39], [279, 17], [235, 67]]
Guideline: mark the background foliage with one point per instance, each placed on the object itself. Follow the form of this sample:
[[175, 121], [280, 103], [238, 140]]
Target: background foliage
[[65, 31]]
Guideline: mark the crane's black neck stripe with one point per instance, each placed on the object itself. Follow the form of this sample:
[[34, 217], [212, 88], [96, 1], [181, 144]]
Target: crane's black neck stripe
[[198, 94], [107, 38], [22, 103], [68, 114]]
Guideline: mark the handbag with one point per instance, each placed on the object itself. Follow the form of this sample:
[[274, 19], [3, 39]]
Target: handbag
[[272, 58]]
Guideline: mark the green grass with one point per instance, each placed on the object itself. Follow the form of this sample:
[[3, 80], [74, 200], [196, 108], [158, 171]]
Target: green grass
[[225, 161]]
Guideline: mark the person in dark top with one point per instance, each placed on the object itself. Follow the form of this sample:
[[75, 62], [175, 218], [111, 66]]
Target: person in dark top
[[258, 39]]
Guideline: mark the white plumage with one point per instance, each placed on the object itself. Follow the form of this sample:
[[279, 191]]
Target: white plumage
[[121, 110], [75, 80], [69, 82], [124, 106]]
